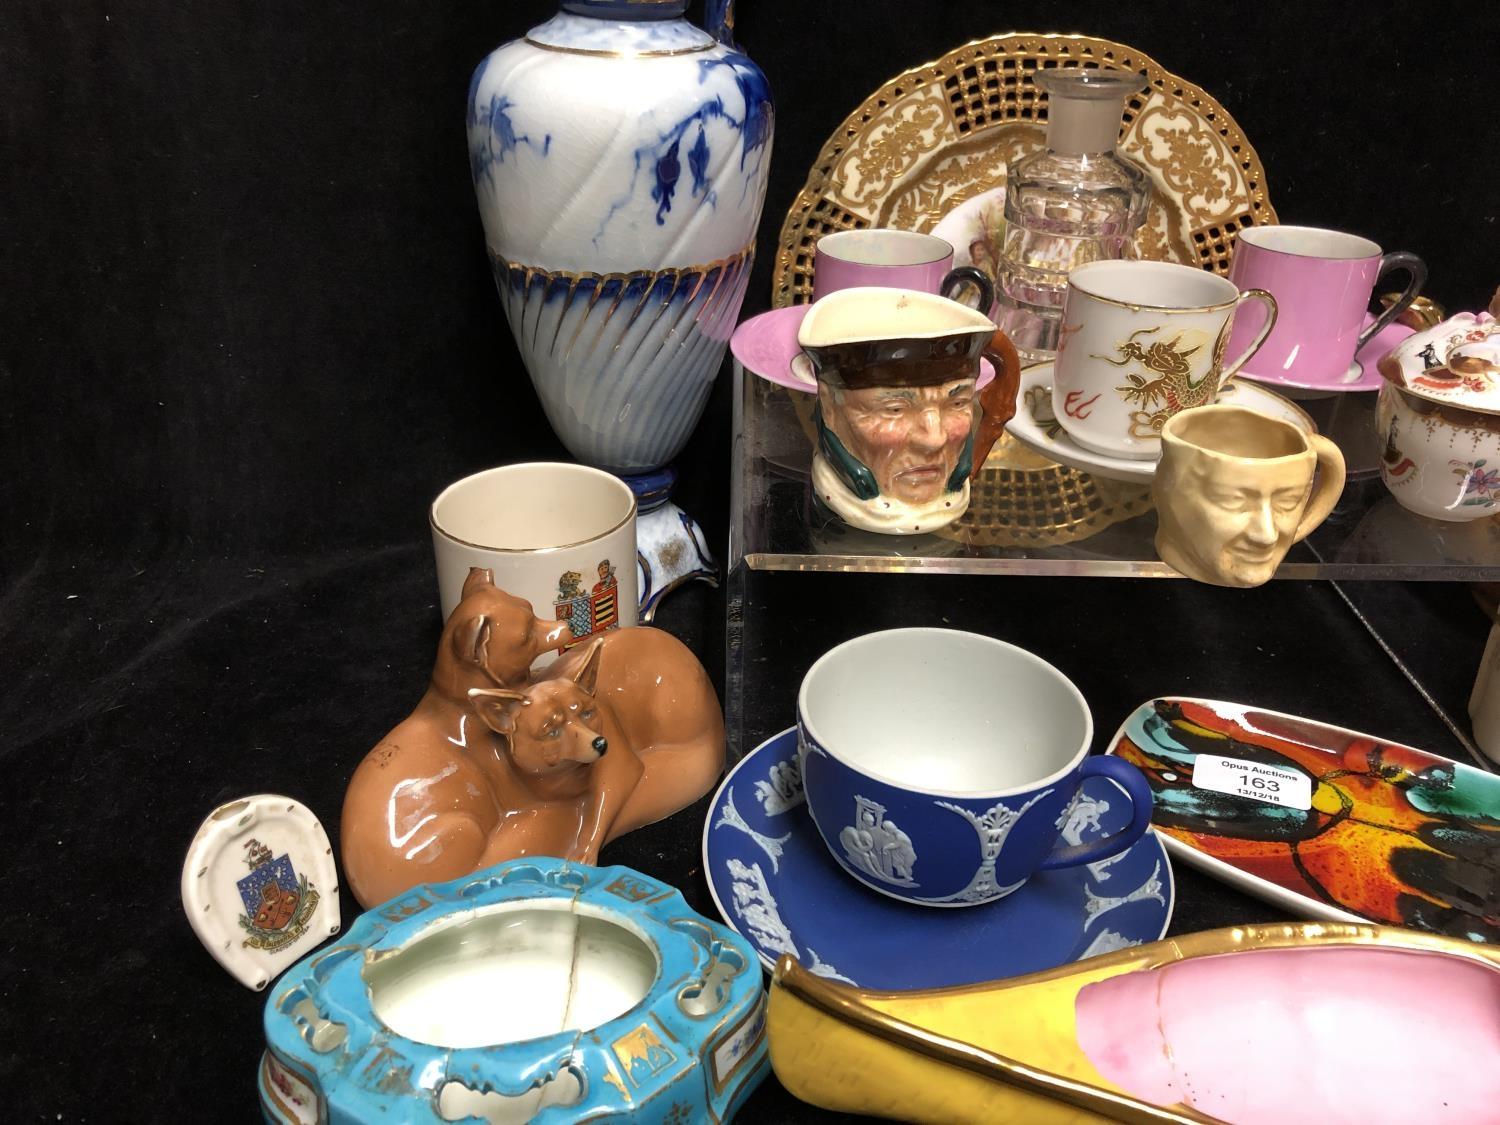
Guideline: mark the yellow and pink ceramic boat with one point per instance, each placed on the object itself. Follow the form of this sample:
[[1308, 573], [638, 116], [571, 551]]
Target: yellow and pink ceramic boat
[[1283, 1023]]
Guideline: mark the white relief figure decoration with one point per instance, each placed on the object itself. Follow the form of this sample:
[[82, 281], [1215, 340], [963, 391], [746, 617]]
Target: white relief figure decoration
[[782, 790], [992, 828], [877, 846], [1107, 942], [757, 909], [1099, 869], [1083, 812], [806, 745], [1082, 815], [824, 969], [1096, 906], [772, 845]]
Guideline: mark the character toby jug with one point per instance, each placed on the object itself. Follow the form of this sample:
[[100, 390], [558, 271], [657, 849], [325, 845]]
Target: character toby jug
[[902, 421]]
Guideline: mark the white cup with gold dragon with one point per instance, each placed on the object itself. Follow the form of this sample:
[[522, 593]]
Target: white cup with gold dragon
[[1140, 342]]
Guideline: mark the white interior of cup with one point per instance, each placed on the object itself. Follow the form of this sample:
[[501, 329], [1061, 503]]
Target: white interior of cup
[[877, 313], [517, 971], [884, 247], [533, 506], [945, 713], [1156, 285], [1310, 242]]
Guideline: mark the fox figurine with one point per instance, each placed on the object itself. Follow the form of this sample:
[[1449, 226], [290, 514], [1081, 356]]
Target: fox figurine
[[493, 764]]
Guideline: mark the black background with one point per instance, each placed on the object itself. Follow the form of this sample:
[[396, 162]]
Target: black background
[[247, 331]]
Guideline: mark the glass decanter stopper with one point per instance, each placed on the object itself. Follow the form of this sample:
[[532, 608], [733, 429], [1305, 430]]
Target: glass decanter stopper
[[1076, 201]]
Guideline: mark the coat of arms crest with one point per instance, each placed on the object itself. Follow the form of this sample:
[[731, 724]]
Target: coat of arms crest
[[588, 611], [278, 901]]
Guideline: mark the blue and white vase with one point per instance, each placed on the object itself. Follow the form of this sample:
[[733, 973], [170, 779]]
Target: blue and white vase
[[620, 157]]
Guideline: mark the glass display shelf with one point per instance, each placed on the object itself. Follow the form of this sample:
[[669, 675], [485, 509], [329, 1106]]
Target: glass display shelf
[[1030, 516]]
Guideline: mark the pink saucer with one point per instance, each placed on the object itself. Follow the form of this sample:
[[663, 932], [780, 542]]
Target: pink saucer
[[767, 346], [1361, 376]]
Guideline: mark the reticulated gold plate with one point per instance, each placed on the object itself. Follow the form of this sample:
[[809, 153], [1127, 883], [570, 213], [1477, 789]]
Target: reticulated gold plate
[[942, 133]]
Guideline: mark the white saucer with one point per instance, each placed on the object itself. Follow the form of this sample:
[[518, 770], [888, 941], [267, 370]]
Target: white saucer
[[1036, 426]]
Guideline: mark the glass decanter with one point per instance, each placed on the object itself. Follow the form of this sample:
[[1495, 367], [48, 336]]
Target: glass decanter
[[1076, 201]]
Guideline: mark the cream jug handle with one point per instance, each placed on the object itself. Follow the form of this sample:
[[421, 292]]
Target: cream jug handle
[[1231, 369], [1329, 488]]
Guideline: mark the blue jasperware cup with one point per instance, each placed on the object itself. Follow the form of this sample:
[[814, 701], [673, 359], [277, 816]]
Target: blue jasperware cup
[[941, 766]]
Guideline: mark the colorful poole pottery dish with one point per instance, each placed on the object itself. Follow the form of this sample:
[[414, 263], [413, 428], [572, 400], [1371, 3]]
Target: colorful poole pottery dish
[[1035, 426], [1322, 821], [1249, 1025], [259, 886], [766, 345], [774, 881], [536, 990]]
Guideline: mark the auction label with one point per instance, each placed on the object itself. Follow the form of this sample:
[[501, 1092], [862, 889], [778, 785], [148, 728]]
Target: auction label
[[1271, 784]]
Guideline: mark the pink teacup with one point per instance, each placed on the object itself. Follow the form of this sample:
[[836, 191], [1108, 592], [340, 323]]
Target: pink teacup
[[1322, 281], [894, 259]]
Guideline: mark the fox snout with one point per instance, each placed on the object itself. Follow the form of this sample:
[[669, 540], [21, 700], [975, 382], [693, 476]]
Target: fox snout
[[591, 749]]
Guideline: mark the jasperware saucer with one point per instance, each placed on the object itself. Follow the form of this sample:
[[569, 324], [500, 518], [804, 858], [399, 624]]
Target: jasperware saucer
[[766, 345], [773, 881], [1035, 425], [1322, 821]]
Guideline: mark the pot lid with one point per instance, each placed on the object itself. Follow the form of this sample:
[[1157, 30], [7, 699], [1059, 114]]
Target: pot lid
[[1457, 363]]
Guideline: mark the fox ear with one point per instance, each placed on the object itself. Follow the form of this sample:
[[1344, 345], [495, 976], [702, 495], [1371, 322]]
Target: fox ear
[[493, 706], [471, 638], [479, 578], [587, 674]]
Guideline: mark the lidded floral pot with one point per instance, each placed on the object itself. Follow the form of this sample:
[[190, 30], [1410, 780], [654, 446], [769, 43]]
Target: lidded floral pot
[[620, 157], [1439, 417]]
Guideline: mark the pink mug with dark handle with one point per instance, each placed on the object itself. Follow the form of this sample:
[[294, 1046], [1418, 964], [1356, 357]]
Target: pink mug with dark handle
[[895, 259], [1322, 281]]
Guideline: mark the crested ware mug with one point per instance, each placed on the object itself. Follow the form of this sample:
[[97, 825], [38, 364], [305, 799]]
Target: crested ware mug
[[1235, 489], [1322, 281], [1140, 342], [1439, 416], [556, 534], [898, 375], [939, 765]]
